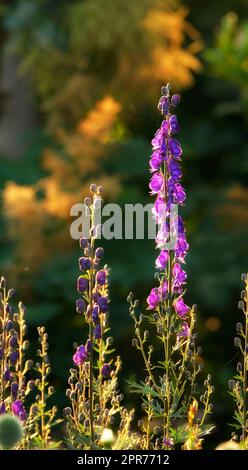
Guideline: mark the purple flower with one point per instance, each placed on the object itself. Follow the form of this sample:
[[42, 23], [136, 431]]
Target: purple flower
[[99, 252], [95, 313], [180, 277], [84, 263], [156, 295], [184, 332], [106, 370], [13, 357], [175, 100], [159, 210], [164, 105], [175, 148], [103, 304], [7, 374], [98, 331], [88, 346], [181, 308], [80, 306], [179, 195], [80, 356], [83, 242], [162, 259], [82, 284], [156, 160], [168, 442], [101, 277], [181, 248], [174, 169], [12, 342], [174, 126], [157, 140], [2, 408], [19, 410], [156, 183]]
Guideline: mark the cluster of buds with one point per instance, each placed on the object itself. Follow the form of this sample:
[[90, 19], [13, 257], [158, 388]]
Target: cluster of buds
[[14, 386]]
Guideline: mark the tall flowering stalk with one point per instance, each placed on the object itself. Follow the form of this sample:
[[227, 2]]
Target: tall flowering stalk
[[93, 386], [170, 386], [14, 386], [239, 386], [18, 378]]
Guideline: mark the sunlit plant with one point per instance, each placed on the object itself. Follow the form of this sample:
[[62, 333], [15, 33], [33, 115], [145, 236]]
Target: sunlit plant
[[170, 386], [95, 400]]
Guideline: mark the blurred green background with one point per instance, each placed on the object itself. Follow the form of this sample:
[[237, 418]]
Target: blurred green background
[[80, 80]]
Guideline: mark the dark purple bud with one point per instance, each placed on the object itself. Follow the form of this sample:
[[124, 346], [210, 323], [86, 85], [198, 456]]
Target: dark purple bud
[[93, 188], [103, 304], [1, 354], [13, 342], [101, 277], [82, 284], [87, 201], [88, 346], [14, 389], [7, 374], [83, 242], [2, 408], [96, 296], [80, 306], [98, 332], [106, 370], [99, 252], [13, 357], [95, 313], [175, 100], [84, 263], [164, 105], [9, 325]]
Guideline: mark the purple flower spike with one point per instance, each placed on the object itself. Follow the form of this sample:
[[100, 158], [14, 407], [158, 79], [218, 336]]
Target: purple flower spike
[[19, 410], [80, 356], [181, 308], [106, 371]]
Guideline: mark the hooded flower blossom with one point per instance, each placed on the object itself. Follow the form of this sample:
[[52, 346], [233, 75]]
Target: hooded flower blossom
[[2, 408], [82, 284], [80, 306], [162, 259], [84, 263], [19, 410], [184, 332], [156, 183], [106, 370], [80, 356], [181, 308], [101, 277]]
